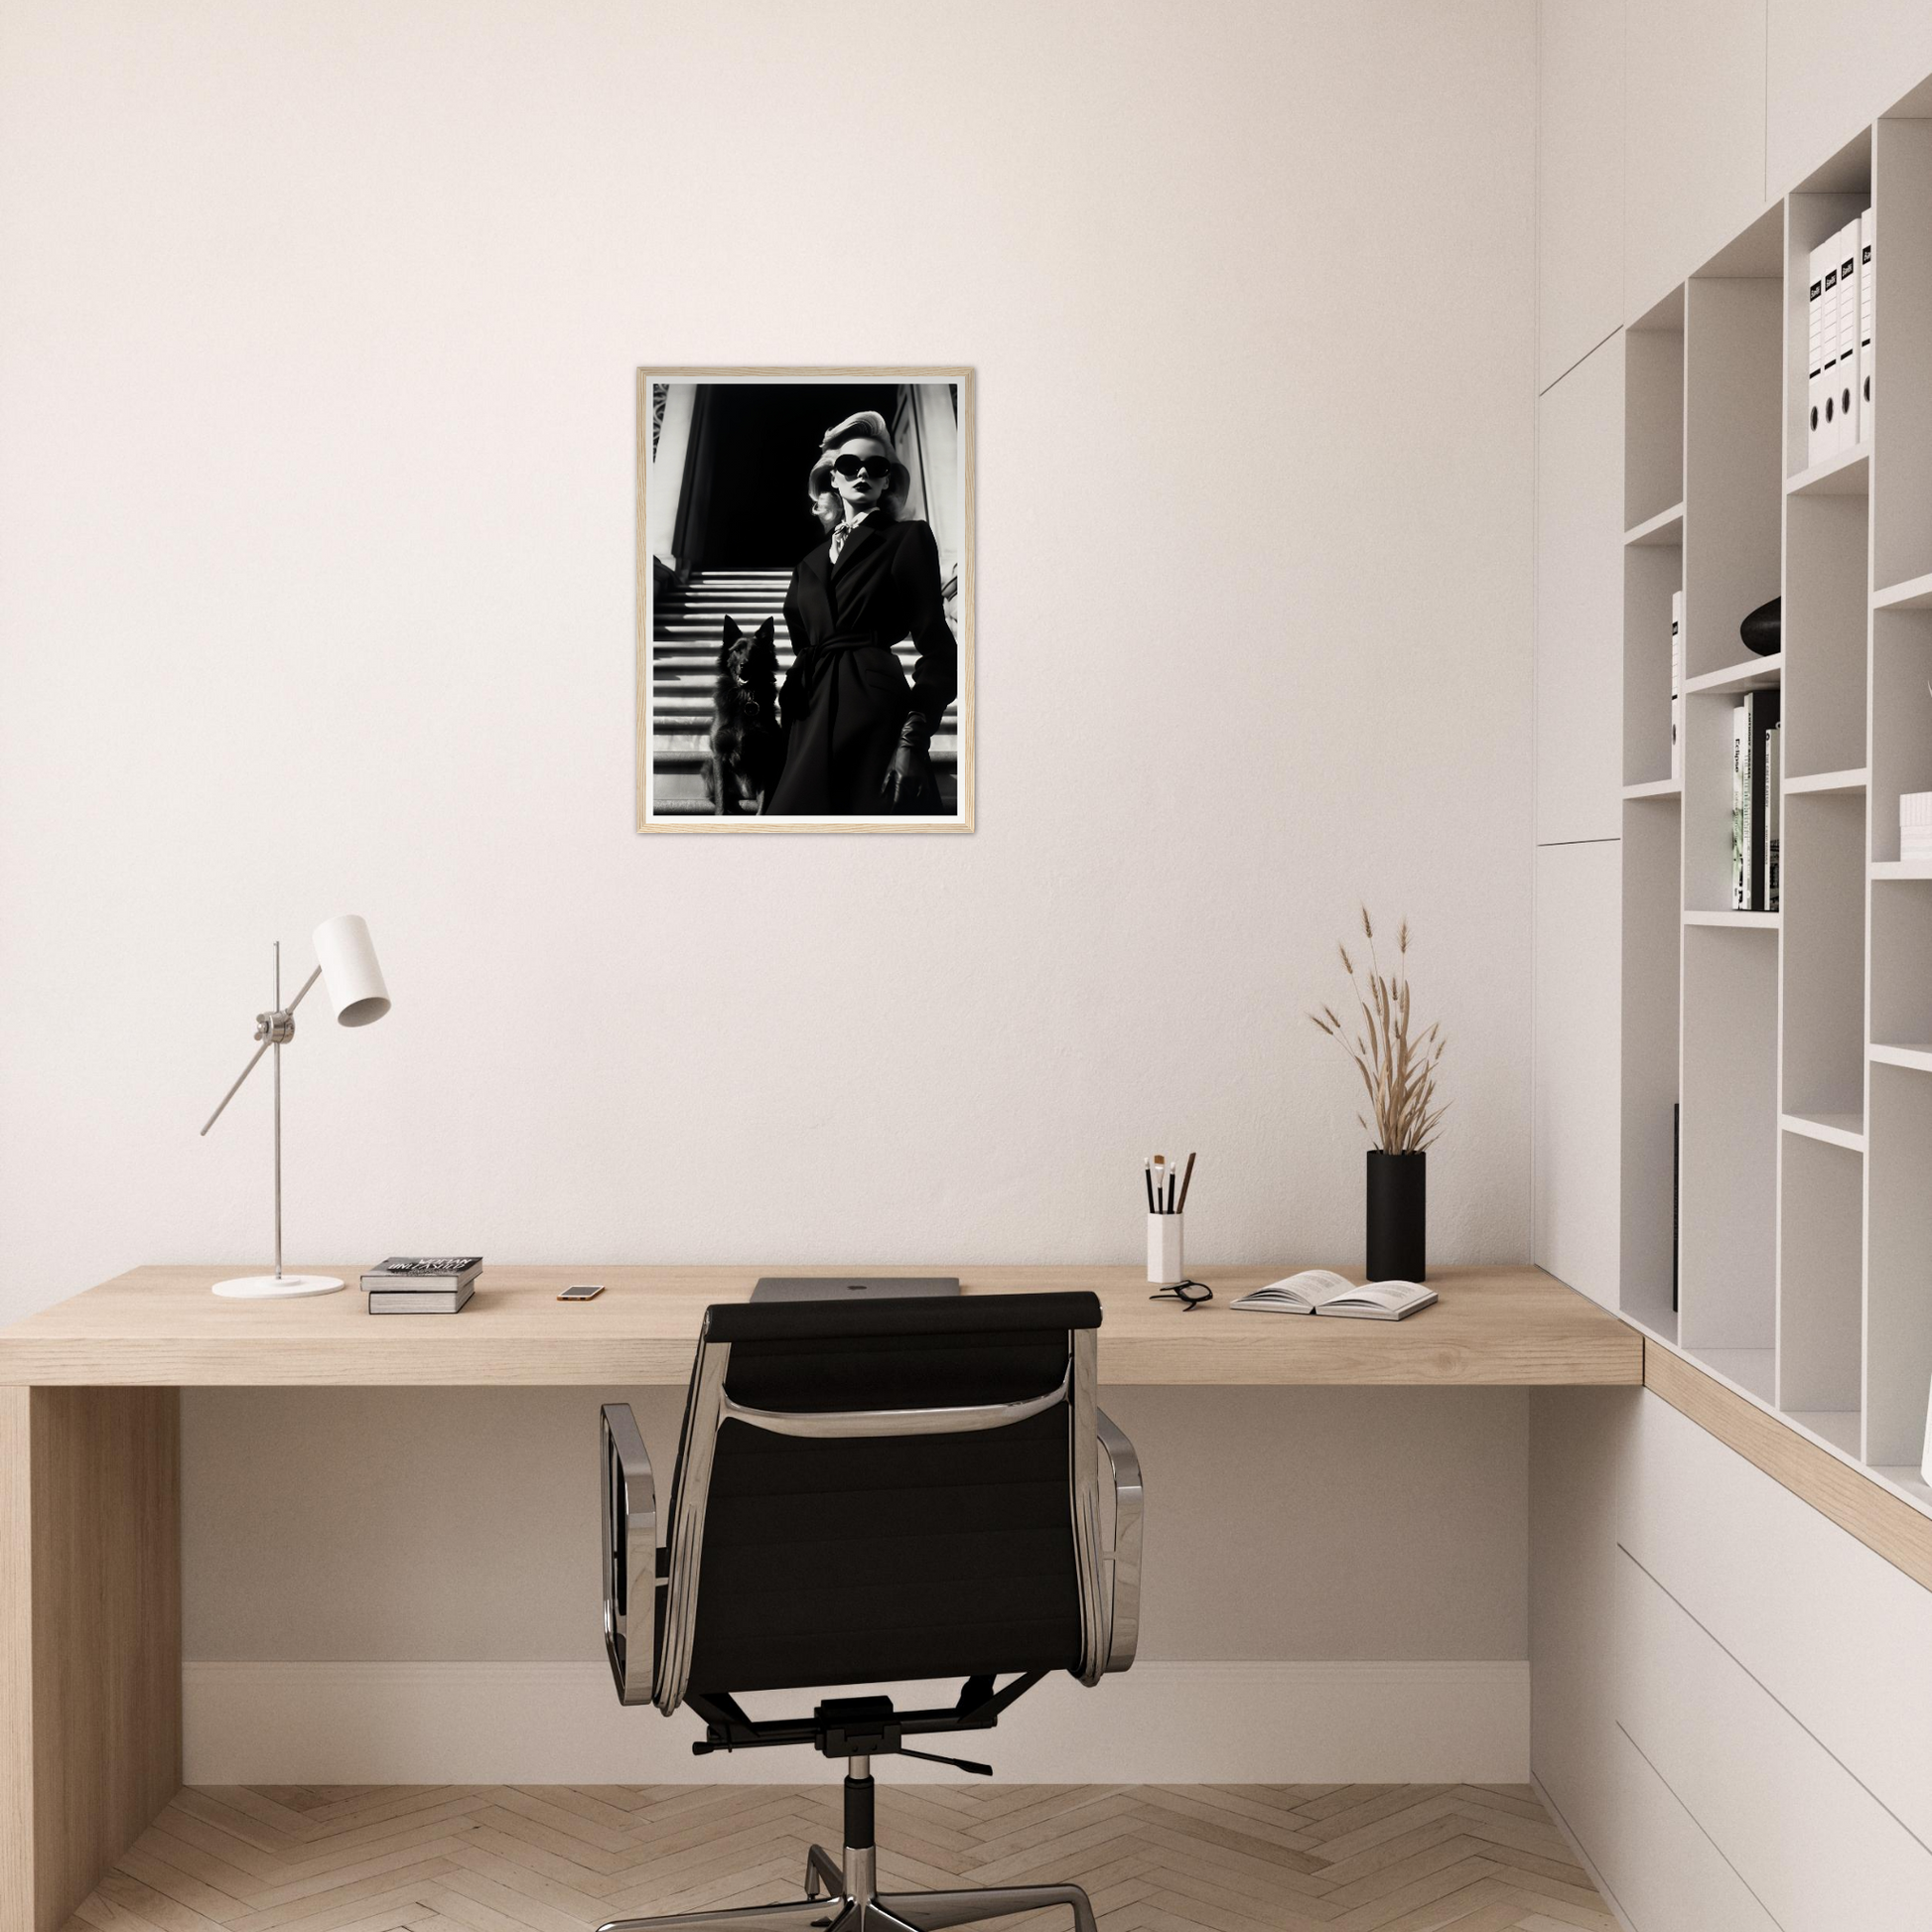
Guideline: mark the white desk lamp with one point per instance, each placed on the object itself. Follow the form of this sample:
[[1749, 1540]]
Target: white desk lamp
[[345, 965]]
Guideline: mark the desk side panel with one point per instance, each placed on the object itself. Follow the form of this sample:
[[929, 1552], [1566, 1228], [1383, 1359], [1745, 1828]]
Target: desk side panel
[[103, 1537], [16, 1665]]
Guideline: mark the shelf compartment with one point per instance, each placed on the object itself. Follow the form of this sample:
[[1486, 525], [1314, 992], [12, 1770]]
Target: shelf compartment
[[1653, 414], [1915, 594], [1650, 577], [1843, 1428], [1653, 937], [1821, 1257], [1901, 719], [1664, 531], [1845, 474], [1835, 1130], [1736, 922], [1899, 1299], [1901, 462], [1728, 1239], [1733, 472], [1826, 781], [1822, 921], [1906, 1479], [1752, 1369], [1753, 674], [1901, 964], [1826, 576]]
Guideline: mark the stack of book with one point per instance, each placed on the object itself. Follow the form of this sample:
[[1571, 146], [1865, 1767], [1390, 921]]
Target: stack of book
[[1838, 362], [422, 1284], [1755, 803]]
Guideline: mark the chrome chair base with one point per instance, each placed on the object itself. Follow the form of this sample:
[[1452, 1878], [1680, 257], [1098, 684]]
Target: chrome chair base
[[856, 1907]]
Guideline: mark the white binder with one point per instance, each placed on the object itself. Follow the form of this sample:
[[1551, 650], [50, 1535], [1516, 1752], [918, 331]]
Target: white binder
[[1866, 303], [1677, 686], [1817, 314], [1848, 335]]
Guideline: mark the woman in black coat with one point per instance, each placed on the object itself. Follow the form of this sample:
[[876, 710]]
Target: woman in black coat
[[855, 732]]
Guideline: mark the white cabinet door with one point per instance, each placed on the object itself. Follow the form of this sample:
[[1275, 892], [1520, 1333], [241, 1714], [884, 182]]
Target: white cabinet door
[[1782, 1587], [1833, 66], [1580, 602], [1692, 137], [1574, 1201], [1817, 1850], [1579, 180]]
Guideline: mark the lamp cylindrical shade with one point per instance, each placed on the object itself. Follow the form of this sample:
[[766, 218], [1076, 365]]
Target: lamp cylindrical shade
[[350, 975]]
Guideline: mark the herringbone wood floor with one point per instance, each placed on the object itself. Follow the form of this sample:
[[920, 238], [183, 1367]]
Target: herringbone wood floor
[[561, 1857]]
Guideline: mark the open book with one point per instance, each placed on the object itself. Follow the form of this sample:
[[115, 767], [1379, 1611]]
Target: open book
[[1321, 1291]]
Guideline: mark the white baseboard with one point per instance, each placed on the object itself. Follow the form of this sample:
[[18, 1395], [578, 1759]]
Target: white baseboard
[[561, 1724]]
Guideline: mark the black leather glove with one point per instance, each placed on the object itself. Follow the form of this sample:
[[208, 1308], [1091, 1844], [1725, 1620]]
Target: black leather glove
[[908, 784]]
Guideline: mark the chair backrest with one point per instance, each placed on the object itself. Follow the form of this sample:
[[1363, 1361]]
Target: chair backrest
[[884, 1491]]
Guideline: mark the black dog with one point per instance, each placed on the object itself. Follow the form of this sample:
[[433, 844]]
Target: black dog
[[747, 743]]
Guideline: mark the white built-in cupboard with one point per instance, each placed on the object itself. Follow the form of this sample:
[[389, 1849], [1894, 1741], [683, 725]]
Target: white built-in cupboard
[[1799, 1042], [1729, 1690]]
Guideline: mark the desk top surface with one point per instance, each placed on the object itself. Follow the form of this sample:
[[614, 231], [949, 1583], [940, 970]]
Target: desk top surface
[[160, 1326]]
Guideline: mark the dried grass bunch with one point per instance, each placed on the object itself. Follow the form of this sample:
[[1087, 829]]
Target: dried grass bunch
[[1399, 1072]]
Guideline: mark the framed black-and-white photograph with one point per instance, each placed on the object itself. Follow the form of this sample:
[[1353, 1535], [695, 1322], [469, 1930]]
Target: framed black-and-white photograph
[[804, 600]]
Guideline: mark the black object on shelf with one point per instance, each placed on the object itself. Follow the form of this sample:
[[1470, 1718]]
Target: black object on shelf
[[1676, 1193], [1763, 630], [1398, 1216]]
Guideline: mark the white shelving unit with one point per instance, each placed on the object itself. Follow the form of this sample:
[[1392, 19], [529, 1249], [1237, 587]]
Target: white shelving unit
[[1797, 1044]]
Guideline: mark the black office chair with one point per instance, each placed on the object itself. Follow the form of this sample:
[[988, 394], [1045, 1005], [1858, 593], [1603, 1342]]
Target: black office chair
[[866, 1494]]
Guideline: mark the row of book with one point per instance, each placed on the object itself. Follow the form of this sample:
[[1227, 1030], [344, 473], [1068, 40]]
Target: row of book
[[1838, 360], [1755, 767]]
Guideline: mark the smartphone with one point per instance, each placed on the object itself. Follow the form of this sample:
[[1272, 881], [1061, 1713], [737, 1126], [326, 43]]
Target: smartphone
[[582, 1291]]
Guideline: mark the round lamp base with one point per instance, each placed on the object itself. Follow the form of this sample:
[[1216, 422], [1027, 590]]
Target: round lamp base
[[276, 1288]]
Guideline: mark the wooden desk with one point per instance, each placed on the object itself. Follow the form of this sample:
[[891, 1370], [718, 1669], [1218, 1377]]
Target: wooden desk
[[160, 1327], [89, 1461]]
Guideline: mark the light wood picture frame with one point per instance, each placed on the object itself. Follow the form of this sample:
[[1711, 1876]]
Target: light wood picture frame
[[731, 538]]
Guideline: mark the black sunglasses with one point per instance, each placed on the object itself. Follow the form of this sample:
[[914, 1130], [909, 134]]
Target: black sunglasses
[[878, 468], [1190, 1295]]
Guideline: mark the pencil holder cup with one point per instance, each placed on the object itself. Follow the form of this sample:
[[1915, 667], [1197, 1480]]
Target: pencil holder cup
[[1164, 1246]]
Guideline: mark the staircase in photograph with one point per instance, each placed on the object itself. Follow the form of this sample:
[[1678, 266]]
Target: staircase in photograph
[[687, 629]]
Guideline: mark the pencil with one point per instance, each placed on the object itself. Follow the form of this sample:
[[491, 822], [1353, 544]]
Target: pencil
[[1186, 1181]]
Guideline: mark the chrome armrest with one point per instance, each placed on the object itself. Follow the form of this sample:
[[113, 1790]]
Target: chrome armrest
[[1124, 1559], [629, 1555]]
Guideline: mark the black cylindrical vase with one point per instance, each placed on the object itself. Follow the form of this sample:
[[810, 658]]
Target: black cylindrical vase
[[1398, 1216]]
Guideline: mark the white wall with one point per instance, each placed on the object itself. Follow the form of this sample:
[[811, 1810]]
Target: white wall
[[316, 491], [317, 341]]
